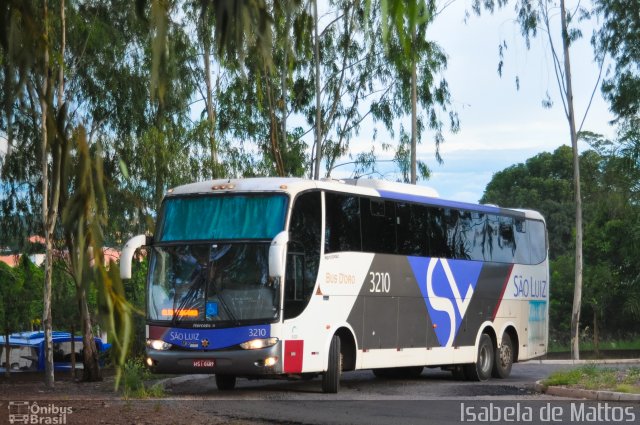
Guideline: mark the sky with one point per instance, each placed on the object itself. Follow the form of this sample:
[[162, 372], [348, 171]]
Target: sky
[[500, 125]]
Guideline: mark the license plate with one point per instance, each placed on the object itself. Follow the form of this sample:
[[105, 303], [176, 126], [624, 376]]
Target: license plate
[[204, 363]]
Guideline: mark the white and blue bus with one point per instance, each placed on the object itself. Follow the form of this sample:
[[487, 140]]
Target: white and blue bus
[[286, 277]]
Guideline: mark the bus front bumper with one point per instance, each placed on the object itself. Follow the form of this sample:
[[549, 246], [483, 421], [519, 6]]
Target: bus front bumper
[[264, 361]]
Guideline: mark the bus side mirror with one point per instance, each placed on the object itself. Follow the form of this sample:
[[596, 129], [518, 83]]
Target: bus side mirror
[[127, 253], [277, 254]]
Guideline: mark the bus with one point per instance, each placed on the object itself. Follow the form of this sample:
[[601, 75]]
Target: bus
[[295, 278]]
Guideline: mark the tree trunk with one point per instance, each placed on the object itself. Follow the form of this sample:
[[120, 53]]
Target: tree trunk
[[73, 352], [596, 335], [7, 355], [63, 42], [211, 113], [283, 84], [46, 213], [316, 174], [414, 113], [577, 293], [91, 371], [273, 126]]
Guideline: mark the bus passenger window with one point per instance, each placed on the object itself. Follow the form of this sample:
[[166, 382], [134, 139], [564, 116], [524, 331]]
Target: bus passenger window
[[537, 240], [521, 238], [438, 245], [378, 226], [342, 231]]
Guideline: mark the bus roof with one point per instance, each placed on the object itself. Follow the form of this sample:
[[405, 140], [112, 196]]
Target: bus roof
[[366, 187]]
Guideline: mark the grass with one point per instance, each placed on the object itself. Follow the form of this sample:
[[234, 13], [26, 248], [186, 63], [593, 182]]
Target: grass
[[133, 381], [587, 345], [592, 377]]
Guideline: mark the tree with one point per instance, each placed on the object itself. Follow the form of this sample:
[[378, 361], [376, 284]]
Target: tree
[[618, 37], [33, 42], [405, 25], [15, 311], [532, 17], [611, 238]]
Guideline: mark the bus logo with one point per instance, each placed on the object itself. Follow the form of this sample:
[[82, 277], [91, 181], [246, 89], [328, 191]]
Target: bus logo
[[18, 412], [447, 286]]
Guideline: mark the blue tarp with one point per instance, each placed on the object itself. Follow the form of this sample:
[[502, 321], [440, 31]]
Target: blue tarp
[[27, 351]]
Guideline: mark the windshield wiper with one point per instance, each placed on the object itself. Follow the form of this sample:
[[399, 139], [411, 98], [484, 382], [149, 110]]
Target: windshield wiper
[[226, 308]]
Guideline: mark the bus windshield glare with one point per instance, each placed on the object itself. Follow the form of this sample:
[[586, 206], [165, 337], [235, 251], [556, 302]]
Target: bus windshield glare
[[212, 283]]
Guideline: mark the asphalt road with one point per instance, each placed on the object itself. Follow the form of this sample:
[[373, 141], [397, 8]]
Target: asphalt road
[[363, 385], [434, 397]]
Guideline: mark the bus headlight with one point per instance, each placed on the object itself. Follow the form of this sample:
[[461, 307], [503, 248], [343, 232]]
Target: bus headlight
[[256, 344], [158, 344]]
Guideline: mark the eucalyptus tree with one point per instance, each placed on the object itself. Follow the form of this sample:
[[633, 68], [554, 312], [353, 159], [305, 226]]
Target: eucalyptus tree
[[417, 66], [12, 309], [44, 86], [351, 64], [534, 17], [262, 92], [619, 37]]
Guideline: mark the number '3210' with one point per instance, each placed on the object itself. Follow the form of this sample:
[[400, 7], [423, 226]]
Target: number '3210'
[[380, 282]]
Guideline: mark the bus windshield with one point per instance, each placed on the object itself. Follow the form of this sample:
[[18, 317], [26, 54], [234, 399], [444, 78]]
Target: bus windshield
[[222, 217], [227, 282]]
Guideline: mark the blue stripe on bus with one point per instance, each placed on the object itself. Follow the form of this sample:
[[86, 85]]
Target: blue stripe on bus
[[213, 339], [447, 204]]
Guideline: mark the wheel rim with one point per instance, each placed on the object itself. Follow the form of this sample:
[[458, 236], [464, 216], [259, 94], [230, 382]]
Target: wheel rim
[[484, 358], [505, 355]]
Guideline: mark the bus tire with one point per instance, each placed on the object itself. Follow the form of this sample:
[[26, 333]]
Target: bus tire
[[225, 382], [331, 378], [503, 358], [482, 368]]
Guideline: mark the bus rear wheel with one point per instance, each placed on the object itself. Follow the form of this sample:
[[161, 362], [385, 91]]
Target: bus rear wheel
[[482, 368], [331, 378], [504, 358], [225, 382]]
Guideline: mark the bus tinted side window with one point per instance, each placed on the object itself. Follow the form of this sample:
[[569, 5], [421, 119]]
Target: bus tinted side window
[[438, 244], [378, 226], [412, 229], [342, 232], [521, 238], [537, 241], [303, 257]]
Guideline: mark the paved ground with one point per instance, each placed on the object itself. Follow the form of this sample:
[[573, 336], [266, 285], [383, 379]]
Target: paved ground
[[362, 385], [435, 397]]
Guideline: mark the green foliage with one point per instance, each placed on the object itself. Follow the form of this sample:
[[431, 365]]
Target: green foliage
[[135, 293], [134, 376], [611, 232], [419, 69], [620, 31], [592, 377], [13, 312]]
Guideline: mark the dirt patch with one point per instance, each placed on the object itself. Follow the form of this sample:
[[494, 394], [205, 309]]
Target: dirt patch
[[72, 402]]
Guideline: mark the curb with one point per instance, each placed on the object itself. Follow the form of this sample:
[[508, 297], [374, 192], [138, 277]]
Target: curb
[[588, 394]]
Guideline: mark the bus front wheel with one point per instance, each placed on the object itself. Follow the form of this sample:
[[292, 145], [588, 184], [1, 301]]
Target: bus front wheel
[[331, 378], [225, 382], [482, 368]]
